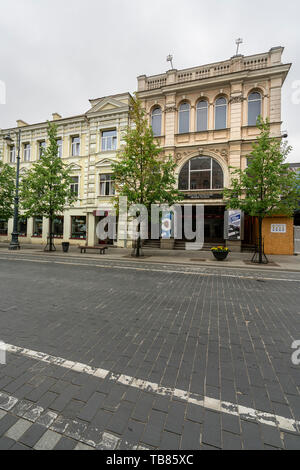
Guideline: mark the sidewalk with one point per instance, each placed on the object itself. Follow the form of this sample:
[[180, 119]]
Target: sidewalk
[[194, 258]]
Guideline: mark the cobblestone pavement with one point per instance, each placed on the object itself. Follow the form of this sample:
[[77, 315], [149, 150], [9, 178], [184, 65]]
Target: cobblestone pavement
[[154, 356]]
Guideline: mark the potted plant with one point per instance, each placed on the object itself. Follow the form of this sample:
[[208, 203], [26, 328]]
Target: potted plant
[[220, 252]]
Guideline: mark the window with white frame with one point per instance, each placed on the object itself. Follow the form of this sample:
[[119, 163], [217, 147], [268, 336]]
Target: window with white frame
[[254, 108], [201, 173], [107, 185], [75, 146], [42, 147], [221, 113], [74, 186], [202, 115], [184, 118], [156, 121], [59, 147], [109, 140], [26, 152], [12, 154]]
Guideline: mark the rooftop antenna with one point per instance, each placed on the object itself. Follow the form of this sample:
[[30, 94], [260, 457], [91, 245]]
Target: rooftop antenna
[[238, 42], [170, 59]]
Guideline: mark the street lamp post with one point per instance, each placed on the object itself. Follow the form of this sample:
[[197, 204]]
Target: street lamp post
[[14, 243]]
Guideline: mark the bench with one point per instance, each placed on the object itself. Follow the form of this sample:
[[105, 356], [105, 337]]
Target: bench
[[101, 248]]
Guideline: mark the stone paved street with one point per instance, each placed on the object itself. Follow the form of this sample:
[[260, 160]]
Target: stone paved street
[[120, 354]]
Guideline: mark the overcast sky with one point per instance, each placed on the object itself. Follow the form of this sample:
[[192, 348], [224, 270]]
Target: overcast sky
[[56, 54]]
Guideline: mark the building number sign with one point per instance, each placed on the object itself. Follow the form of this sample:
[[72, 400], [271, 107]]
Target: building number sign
[[278, 228]]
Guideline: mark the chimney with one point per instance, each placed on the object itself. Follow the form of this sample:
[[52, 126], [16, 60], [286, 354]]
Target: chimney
[[21, 123], [56, 116]]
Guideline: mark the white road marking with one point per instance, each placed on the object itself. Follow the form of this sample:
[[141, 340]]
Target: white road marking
[[169, 271], [7, 403]]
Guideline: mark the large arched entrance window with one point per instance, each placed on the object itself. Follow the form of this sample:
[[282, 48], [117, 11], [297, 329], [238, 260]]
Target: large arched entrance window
[[201, 173]]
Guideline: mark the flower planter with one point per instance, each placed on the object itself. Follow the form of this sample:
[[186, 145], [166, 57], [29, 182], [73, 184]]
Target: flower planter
[[220, 255]]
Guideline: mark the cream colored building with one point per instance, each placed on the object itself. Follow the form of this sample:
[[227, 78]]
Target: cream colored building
[[88, 145], [206, 118]]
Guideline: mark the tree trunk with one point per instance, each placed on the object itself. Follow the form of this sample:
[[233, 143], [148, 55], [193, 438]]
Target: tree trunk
[[138, 246], [260, 244], [50, 234]]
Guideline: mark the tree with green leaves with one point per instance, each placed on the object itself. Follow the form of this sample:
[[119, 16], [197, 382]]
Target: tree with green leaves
[[143, 174], [7, 190], [267, 187], [45, 189]]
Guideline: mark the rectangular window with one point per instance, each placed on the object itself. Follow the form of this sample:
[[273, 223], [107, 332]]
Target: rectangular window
[[59, 145], [37, 226], [12, 154], [75, 146], [75, 185], [42, 146], [22, 227], [58, 227], [78, 227], [109, 140], [3, 227], [26, 152], [107, 185]]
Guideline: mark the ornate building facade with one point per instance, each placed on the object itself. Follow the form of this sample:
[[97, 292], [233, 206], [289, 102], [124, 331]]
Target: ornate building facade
[[205, 117], [88, 144]]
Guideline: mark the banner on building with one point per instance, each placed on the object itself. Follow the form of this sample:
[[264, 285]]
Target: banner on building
[[234, 225]]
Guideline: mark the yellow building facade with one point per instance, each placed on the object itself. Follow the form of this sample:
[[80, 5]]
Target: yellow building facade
[[88, 144], [205, 117]]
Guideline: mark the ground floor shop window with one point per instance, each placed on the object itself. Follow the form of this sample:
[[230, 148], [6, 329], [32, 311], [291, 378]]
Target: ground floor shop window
[[37, 226], [78, 227], [22, 227], [58, 227], [3, 227]]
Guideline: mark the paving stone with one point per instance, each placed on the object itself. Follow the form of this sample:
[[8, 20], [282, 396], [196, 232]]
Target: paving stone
[[191, 436], [65, 443], [48, 441], [32, 435], [88, 411], [211, 434], [251, 436], [169, 441], [231, 441], [6, 423], [291, 441], [18, 429], [6, 443]]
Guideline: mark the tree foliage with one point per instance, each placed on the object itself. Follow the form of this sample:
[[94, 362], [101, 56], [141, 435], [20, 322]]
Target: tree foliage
[[7, 190], [142, 173], [45, 189], [267, 187]]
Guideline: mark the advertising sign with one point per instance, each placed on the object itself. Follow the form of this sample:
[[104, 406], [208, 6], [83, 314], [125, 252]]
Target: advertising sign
[[166, 225], [234, 224]]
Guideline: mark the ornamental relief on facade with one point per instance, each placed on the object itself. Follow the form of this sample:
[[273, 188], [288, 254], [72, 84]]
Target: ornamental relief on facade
[[186, 155]]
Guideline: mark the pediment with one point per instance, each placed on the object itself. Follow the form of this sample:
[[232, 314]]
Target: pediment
[[74, 167], [105, 104], [104, 162]]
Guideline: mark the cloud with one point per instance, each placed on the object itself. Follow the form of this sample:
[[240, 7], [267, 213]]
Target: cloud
[[55, 54]]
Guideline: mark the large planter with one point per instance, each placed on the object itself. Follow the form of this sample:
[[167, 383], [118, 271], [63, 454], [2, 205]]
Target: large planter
[[220, 255]]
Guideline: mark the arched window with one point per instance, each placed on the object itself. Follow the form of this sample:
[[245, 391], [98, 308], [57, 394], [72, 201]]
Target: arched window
[[156, 121], [184, 118], [221, 113], [202, 115], [201, 173], [254, 108]]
